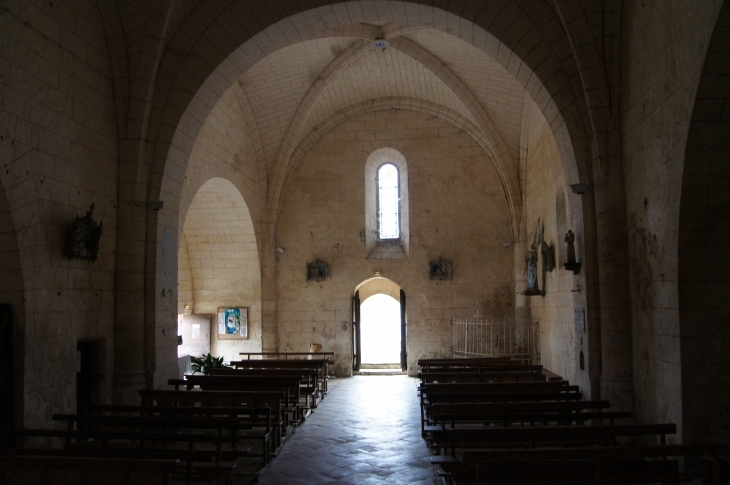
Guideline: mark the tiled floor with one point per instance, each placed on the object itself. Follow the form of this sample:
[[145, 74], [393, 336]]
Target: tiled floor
[[366, 432]]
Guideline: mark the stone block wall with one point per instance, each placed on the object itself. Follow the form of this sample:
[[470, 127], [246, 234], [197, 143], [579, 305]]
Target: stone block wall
[[662, 56], [58, 154], [704, 236], [457, 211], [548, 197]]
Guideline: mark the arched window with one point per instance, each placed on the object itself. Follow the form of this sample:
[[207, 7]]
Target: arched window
[[388, 202], [386, 234]]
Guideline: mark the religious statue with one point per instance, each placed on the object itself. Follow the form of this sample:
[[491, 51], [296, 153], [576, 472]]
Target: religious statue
[[571, 264], [531, 271], [570, 239]]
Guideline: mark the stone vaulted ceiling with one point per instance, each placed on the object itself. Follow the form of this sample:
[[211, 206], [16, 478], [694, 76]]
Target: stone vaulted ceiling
[[298, 87]]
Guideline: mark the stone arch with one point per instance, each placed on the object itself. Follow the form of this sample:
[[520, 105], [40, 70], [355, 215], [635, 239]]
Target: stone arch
[[703, 238], [218, 246], [373, 162], [548, 47], [12, 293], [207, 77]]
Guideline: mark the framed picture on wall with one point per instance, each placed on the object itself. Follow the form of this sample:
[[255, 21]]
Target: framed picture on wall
[[233, 323]]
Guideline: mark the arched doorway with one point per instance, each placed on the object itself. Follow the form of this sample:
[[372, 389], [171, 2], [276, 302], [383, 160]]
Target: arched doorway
[[379, 325]]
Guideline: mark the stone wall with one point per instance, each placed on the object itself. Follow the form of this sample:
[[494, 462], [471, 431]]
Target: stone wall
[[58, 156], [548, 198], [457, 211], [663, 51], [704, 237]]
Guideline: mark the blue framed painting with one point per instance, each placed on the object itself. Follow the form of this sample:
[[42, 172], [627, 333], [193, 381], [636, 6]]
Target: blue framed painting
[[233, 323]]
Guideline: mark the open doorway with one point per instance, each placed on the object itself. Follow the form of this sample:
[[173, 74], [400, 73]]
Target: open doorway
[[380, 330], [379, 326]]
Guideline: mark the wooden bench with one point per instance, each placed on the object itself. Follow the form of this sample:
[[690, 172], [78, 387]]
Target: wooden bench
[[516, 412], [309, 379], [82, 470], [535, 418], [289, 385], [134, 444], [321, 365], [633, 464], [482, 367], [286, 355], [572, 394], [254, 424], [542, 436], [249, 399], [486, 376]]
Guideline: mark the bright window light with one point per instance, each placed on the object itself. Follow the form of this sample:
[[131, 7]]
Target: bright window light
[[388, 201]]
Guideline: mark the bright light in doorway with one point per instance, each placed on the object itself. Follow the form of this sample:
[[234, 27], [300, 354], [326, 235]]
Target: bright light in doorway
[[380, 330]]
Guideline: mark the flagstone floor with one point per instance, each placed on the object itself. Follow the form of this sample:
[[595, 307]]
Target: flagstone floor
[[366, 432]]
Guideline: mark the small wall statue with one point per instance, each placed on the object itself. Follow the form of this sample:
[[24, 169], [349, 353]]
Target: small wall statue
[[531, 272], [317, 271], [83, 237], [571, 264]]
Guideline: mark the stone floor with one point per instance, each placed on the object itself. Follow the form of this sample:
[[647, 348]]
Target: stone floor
[[365, 432]]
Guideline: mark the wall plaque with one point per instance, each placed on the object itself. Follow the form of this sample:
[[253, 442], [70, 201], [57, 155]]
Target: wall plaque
[[580, 320]]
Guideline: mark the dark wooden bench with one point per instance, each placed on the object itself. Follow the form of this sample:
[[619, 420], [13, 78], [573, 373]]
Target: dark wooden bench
[[211, 461], [633, 464], [250, 399], [542, 436], [486, 376], [482, 367], [536, 418], [289, 385], [254, 424], [321, 365], [572, 394], [286, 355], [516, 412], [309, 379], [36, 469]]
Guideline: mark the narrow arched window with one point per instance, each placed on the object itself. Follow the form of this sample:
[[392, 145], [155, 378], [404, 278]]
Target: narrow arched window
[[388, 202]]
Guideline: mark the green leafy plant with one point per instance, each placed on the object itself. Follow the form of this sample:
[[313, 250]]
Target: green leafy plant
[[204, 363]]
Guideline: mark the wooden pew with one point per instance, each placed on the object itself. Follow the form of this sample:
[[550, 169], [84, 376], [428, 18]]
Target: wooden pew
[[494, 392], [459, 421], [518, 412], [286, 355], [136, 444], [289, 385], [321, 365], [309, 377], [483, 367], [622, 464], [486, 376], [544, 436], [254, 424], [82, 470], [251, 399]]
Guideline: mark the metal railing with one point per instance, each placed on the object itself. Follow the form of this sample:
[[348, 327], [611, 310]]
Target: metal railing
[[481, 337]]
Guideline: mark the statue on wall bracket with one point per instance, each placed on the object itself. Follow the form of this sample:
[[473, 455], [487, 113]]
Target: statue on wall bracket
[[317, 271], [571, 264], [83, 237], [531, 264]]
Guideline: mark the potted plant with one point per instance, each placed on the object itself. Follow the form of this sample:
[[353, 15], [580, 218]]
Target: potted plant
[[204, 363]]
